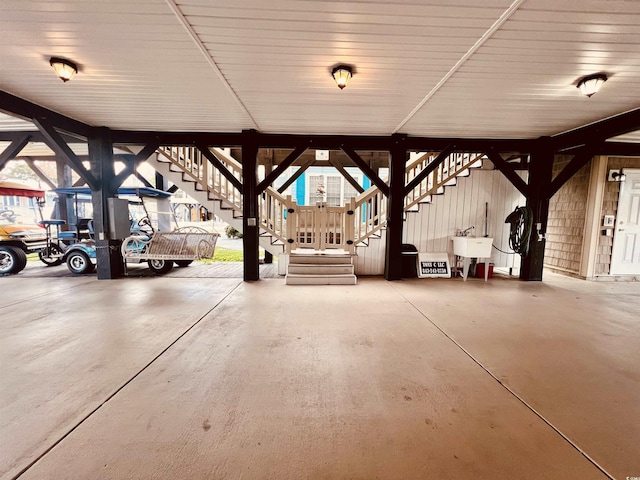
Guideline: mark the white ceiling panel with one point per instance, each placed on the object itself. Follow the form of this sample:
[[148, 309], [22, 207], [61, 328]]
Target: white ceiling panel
[[522, 81], [463, 68]]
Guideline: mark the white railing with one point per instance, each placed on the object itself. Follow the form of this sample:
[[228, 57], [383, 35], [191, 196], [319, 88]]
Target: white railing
[[208, 178], [318, 226], [273, 213], [369, 212], [451, 167]]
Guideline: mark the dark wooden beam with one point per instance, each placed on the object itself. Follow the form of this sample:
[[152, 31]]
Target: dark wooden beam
[[209, 155], [144, 181], [58, 145], [540, 176], [132, 162], [508, 171], [442, 156], [40, 173], [296, 175], [36, 137], [108, 256], [354, 183], [176, 139], [598, 131], [66, 208], [395, 210], [13, 149], [321, 142], [611, 149], [22, 108], [286, 163], [469, 145], [579, 160], [373, 176], [250, 210]]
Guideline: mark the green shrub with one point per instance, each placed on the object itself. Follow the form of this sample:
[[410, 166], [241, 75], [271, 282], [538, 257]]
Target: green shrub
[[231, 232]]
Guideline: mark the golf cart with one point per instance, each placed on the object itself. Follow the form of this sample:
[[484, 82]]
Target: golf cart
[[153, 235], [20, 234]]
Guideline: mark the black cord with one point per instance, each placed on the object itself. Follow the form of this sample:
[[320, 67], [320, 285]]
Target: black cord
[[508, 253]]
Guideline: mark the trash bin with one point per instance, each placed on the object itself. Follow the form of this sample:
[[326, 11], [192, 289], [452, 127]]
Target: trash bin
[[480, 270], [409, 261]]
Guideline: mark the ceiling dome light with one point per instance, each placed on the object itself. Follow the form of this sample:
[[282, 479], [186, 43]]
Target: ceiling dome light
[[65, 69], [342, 74], [591, 84]]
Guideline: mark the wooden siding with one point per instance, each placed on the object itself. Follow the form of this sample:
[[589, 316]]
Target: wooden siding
[[461, 206], [431, 228], [370, 259], [567, 214]]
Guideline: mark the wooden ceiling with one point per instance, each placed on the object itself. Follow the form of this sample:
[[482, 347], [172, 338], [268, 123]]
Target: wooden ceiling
[[437, 68]]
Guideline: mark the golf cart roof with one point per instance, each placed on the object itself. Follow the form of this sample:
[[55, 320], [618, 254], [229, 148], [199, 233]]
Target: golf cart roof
[[137, 191], [19, 190]]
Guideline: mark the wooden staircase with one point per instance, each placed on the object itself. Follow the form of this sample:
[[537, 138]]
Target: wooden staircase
[[194, 174], [320, 269], [215, 179]]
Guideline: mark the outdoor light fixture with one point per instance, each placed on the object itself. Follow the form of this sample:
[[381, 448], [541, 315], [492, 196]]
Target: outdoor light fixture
[[64, 68], [342, 74], [616, 176], [592, 83]]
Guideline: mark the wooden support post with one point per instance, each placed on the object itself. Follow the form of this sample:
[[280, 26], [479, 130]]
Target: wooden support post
[[108, 256], [540, 176], [250, 228], [66, 211], [268, 168], [395, 209]]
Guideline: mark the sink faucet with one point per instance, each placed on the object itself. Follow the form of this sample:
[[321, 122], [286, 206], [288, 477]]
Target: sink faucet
[[465, 232]]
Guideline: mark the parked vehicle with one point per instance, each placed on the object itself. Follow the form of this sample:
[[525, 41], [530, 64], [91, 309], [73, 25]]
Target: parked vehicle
[[155, 237], [19, 232], [58, 241]]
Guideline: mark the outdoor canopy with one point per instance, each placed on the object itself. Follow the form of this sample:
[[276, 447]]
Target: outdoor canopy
[[19, 190]]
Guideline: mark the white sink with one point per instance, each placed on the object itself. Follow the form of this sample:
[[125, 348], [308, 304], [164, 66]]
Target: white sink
[[472, 247]]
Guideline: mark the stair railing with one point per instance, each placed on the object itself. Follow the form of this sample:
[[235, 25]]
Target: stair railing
[[199, 170], [369, 214], [340, 227], [273, 210], [453, 165]]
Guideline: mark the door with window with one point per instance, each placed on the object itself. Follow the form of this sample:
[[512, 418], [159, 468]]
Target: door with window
[[625, 257]]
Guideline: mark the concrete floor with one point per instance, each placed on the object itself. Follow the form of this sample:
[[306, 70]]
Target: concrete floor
[[192, 378]]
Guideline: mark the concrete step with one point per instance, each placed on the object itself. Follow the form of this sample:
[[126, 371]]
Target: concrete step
[[297, 279], [320, 258], [320, 269]]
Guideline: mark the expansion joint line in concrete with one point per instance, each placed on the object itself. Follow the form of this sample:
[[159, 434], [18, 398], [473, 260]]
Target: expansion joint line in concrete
[[119, 389], [506, 387]]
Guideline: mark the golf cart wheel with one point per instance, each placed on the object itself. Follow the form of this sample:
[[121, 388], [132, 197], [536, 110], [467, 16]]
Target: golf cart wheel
[[79, 263], [51, 256], [183, 263], [160, 267], [12, 260]]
